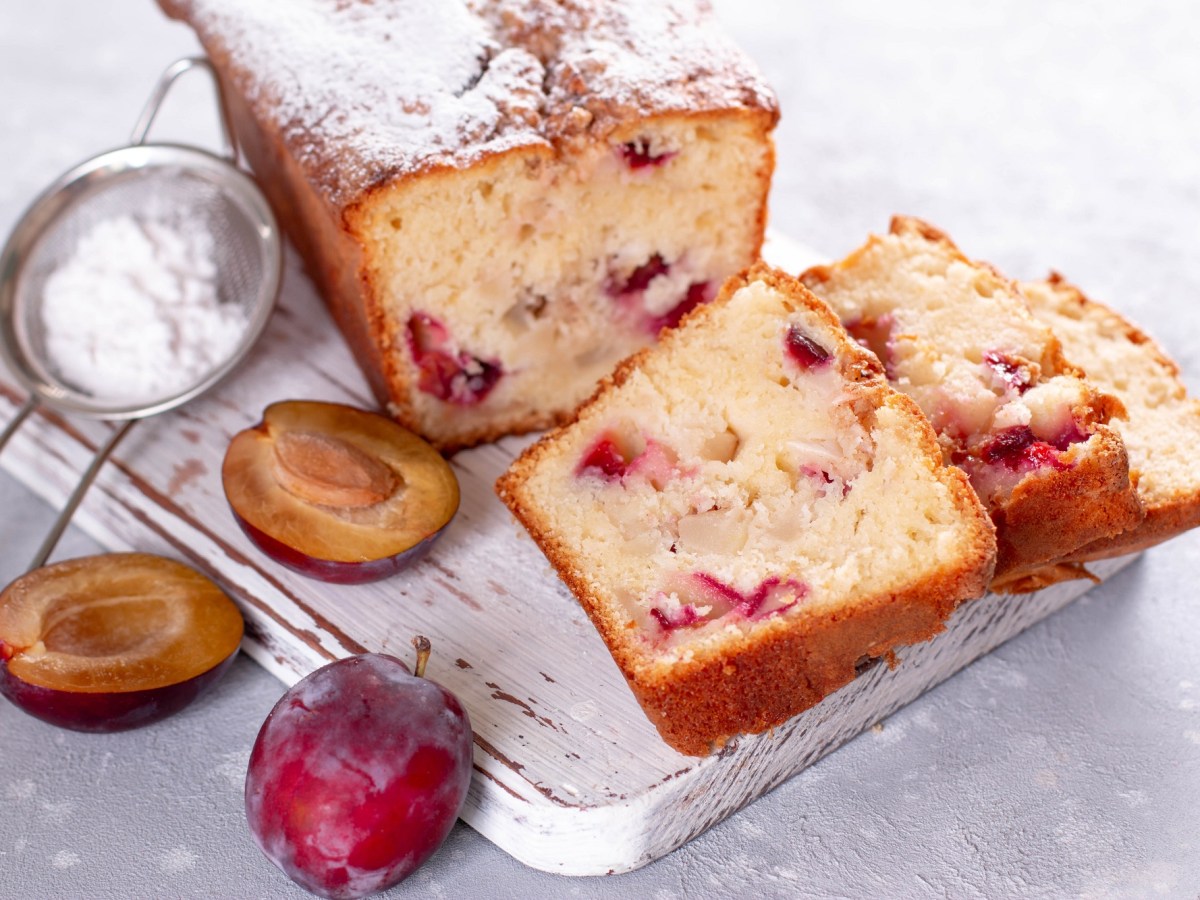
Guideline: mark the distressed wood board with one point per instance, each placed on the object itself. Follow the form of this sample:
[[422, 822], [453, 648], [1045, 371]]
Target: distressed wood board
[[570, 777]]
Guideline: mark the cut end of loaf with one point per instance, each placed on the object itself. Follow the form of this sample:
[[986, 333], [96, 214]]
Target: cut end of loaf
[[507, 291]]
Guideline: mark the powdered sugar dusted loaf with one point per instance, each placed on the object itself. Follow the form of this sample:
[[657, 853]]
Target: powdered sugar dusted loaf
[[749, 514], [502, 198]]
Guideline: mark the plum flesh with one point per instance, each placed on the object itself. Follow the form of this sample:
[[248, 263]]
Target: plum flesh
[[112, 642], [337, 493], [358, 775]]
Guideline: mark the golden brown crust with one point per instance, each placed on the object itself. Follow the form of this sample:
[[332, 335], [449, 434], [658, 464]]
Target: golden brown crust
[[332, 258], [790, 664], [1162, 523], [1131, 332], [1026, 582]]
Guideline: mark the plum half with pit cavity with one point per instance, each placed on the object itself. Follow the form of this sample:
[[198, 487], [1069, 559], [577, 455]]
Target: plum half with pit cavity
[[337, 493], [113, 642]]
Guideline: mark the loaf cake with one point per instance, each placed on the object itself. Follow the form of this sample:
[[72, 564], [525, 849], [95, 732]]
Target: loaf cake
[[1031, 433], [499, 199], [1162, 427], [749, 514]]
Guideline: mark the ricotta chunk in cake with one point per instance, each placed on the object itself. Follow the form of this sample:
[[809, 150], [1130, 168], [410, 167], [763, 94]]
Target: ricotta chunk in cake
[[748, 512], [1008, 408], [498, 199], [1162, 427]]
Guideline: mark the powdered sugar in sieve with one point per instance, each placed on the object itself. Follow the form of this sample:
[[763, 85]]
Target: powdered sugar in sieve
[[134, 313]]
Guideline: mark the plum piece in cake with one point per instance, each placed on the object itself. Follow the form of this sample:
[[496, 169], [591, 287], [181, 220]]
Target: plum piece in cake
[[1009, 409], [1162, 427], [498, 199], [748, 510]]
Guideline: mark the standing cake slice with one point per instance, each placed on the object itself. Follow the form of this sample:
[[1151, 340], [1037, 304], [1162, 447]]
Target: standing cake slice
[[748, 513], [499, 199], [1008, 408], [1162, 427]]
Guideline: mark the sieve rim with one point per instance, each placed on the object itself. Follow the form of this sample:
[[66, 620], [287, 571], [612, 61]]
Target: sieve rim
[[58, 197]]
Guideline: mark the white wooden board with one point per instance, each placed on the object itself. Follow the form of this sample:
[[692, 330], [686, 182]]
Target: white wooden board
[[569, 775]]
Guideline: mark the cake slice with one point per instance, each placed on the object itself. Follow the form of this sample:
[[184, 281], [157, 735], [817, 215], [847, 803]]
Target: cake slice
[[1008, 408], [1162, 428], [498, 199], [749, 514]]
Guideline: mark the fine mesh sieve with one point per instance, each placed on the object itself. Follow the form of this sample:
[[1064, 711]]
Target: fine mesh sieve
[[186, 187]]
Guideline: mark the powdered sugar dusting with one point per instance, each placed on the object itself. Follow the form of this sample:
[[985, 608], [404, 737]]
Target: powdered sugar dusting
[[65, 859], [388, 84], [134, 312], [20, 790], [362, 91], [177, 860], [232, 768]]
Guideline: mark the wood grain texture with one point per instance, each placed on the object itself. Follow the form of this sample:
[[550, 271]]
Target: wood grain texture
[[570, 776]]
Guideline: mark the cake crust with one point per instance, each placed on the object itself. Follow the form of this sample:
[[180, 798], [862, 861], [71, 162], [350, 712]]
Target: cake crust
[[1045, 520], [788, 664]]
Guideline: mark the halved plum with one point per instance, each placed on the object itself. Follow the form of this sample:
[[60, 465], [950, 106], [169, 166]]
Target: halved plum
[[113, 642], [337, 493]]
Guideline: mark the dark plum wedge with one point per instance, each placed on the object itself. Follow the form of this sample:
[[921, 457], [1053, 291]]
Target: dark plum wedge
[[638, 155], [337, 493], [629, 290], [444, 371], [358, 774], [1017, 449], [113, 642], [804, 351]]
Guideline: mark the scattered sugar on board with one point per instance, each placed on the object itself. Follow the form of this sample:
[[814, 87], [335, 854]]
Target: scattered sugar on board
[[134, 313]]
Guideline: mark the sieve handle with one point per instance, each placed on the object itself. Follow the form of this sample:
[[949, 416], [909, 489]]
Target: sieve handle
[[85, 481], [165, 81], [22, 414]]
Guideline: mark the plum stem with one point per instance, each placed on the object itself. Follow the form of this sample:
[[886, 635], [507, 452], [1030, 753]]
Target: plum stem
[[423, 647]]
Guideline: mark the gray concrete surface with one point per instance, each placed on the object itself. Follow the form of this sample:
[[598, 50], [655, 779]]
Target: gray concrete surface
[[1067, 763]]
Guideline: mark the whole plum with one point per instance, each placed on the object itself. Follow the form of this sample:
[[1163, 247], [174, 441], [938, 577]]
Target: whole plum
[[358, 775]]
